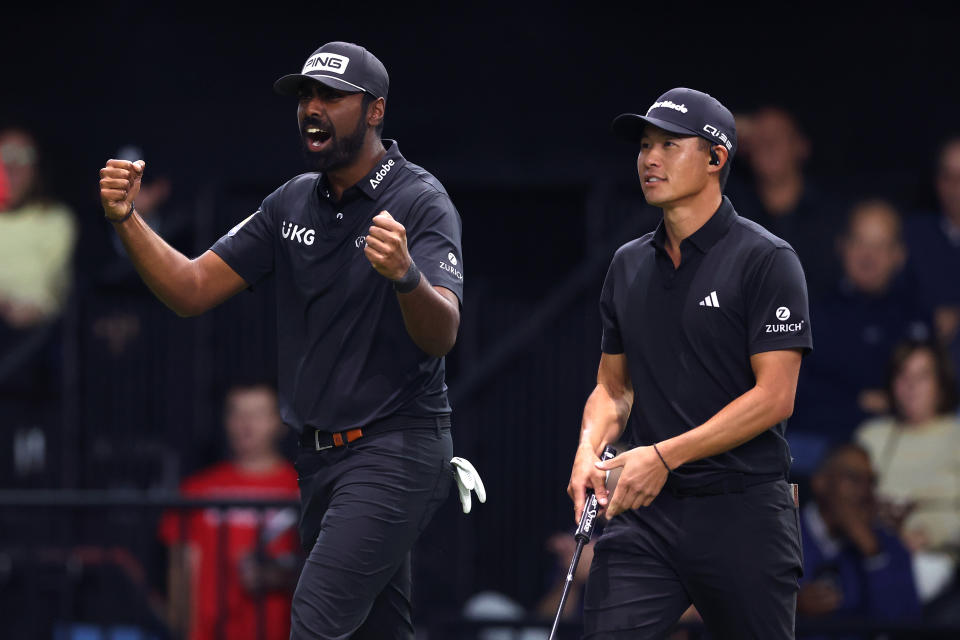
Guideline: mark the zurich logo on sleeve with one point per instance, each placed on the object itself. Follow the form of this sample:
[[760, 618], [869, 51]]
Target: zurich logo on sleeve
[[783, 314]]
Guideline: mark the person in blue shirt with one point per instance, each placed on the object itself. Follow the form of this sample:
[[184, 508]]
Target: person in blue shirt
[[871, 310], [852, 567], [934, 242]]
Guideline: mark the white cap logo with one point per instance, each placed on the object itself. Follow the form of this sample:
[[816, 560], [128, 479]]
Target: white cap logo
[[452, 258], [326, 62], [783, 313]]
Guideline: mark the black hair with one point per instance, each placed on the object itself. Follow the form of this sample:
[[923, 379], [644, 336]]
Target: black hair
[[368, 99]]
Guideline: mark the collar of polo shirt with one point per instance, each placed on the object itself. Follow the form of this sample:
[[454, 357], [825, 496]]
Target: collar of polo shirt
[[707, 235]]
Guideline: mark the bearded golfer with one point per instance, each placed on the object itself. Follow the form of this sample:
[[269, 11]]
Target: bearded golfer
[[704, 326], [365, 252]]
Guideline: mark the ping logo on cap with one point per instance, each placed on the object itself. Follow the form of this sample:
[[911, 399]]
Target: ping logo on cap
[[326, 62]]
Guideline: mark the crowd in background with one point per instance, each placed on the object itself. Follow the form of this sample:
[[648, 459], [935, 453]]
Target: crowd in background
[[875, 436]]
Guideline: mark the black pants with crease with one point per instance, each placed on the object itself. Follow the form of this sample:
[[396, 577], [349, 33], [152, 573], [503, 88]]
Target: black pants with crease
[[363, 507]]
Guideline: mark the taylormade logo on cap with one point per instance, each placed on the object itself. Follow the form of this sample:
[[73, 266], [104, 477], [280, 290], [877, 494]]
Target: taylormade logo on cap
[[326, 62], [666, 104]]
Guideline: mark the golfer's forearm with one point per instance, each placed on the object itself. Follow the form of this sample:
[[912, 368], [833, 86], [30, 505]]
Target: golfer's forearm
[[743, 419], [431, 318], [604, 417], [169, 274]]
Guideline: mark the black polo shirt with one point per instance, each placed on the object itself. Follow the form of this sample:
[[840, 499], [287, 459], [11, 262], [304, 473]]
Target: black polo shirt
[[345, 358], [688, 333]]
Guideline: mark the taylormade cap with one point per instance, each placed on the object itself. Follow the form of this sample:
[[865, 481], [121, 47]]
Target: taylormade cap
[[685, 112], [339, 65]]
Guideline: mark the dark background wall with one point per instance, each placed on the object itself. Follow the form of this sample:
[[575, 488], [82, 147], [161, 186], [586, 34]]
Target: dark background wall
[[480, 95]]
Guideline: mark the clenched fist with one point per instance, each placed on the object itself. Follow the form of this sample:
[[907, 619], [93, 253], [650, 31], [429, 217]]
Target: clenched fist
[[387, 247], [119, 186]]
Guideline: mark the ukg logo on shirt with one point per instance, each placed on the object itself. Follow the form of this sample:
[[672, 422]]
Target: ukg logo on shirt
[[295, 232]]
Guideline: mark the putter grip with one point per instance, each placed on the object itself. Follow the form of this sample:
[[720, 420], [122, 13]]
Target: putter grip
[[589, 517]]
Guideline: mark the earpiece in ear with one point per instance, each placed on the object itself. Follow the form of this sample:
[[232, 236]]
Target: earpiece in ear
[[714, 159]]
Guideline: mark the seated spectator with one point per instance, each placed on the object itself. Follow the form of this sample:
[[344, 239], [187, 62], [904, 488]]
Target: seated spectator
[[37, 237], [782, 198], [934, 242], [852, 566], [842, 381], [259, 561], [916, 453]]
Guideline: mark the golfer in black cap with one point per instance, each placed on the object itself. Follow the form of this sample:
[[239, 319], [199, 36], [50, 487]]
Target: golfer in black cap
[[704, 327], [365, 252]]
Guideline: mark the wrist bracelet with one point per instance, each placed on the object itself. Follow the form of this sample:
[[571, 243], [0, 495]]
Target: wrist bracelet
[[124, 218], [660, 455], [409, 281]]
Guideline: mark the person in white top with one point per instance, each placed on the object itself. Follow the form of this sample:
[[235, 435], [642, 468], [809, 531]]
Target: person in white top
[[916, 453]]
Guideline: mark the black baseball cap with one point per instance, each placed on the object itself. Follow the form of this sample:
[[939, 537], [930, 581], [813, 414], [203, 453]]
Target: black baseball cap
[[339, 65], [686, 112]]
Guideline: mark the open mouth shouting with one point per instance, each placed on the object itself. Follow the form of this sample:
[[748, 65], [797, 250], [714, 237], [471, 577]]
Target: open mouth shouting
[[315, 136]]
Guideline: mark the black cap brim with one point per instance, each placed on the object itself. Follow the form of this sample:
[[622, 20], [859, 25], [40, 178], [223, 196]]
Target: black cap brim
[[288, 85], [629, 127]]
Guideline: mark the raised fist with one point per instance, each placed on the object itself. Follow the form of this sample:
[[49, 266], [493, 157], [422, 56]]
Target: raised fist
[[119, 186]]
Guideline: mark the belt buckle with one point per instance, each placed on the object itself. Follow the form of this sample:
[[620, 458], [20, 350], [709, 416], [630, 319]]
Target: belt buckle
[[316, 441]]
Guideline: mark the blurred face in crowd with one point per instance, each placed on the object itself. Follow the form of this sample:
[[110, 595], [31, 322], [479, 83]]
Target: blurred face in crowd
[[19, 155], [845, 481], [671, 167], [252, 421], [333, 125], [776, 146], [872, 251], [915, 387], [948, 181]]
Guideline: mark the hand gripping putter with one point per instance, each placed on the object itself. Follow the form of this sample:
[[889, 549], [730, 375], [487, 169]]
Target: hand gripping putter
[[584, 530]]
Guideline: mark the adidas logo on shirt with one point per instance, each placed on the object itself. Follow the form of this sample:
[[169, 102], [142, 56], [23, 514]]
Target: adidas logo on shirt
[[710, 300]]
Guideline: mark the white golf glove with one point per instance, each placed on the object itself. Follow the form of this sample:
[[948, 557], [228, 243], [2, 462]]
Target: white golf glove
[[467, 480]]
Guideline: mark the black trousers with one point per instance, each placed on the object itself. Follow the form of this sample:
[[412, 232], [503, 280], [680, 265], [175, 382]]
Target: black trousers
[[736, 556], [363, 507]]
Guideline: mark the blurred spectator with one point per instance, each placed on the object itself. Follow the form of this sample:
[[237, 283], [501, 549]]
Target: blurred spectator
[[4, 186], [105, 255], [934, 242], [216, 591], [852, 567], [37, 237], [561, 546], [782, 198], [916, 453], [842, 382]]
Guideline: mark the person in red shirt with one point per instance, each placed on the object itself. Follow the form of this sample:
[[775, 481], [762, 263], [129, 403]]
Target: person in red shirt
[[235, 579]]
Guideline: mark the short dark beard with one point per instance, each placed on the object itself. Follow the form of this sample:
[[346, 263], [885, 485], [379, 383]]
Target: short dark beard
[[342, 151]]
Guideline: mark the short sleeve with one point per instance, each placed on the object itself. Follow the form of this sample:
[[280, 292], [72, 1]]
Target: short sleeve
[[248, 248], [610, 340], [778, 315], [434, 241]]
